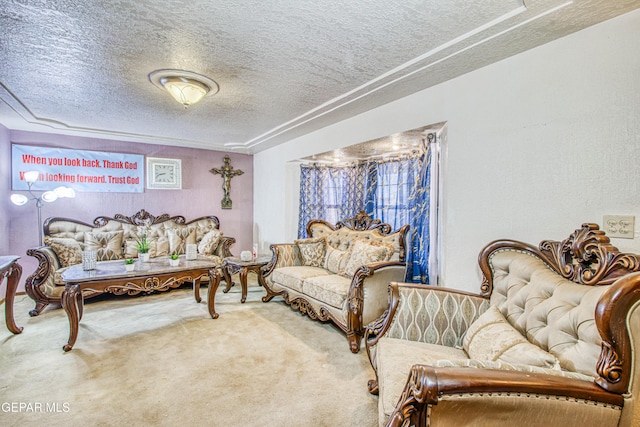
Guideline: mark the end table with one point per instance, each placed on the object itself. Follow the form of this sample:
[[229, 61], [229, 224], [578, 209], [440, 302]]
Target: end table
[[234, 264]]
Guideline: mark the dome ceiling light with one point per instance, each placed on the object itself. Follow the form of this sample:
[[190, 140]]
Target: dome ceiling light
[[184, 86]]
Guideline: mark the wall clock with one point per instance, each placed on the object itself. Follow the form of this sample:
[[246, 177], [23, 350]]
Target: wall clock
[[164, 173]]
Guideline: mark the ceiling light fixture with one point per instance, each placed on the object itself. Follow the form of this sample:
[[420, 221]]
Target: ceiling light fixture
[[184, 86]]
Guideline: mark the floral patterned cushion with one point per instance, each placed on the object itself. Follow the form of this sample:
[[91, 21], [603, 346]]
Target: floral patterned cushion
[[335, 259], [108, 246], [312, 251], [68, 250], [363, 252], [331, 289], [492, 338], [209, 242], [293, 277]]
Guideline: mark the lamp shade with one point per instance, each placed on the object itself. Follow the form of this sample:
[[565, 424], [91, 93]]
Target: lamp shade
[[186, 87], [31, 176], [185, 91], [19, 199], [49, 196]]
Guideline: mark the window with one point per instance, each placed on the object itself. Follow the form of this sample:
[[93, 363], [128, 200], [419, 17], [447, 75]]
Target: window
[[396, 191]]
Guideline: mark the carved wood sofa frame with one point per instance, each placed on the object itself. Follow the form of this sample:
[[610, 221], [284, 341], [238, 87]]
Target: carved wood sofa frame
[[375, 276], [586, 258], [35, 283]]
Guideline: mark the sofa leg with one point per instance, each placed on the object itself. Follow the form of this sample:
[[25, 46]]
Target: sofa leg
[[40, 305], [354, 342], [372, 385]]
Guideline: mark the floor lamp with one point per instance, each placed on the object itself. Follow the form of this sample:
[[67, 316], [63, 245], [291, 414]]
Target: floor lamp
[[48, 196]]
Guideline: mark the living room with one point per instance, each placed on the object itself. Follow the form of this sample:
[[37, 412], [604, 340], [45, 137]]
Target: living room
[[536, 144]]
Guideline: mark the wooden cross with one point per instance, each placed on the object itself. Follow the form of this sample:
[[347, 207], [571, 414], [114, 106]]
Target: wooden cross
[[227, 172]]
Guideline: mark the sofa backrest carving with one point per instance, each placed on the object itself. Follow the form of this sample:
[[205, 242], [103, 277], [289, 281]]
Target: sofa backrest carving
[[362, 226]]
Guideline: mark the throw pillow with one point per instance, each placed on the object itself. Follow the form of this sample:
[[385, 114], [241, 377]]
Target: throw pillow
[[363, 252], [335, 259], [209, 242], [158, 246], [492, 338], [108, 245], [312, 251], [179, 238], [68, 250]]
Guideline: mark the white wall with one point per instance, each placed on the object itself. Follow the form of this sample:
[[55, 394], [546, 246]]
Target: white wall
[[537, 144]]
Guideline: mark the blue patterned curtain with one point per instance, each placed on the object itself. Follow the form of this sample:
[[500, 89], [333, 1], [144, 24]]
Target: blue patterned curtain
[[395, 191], [330, 193], [400, 195]]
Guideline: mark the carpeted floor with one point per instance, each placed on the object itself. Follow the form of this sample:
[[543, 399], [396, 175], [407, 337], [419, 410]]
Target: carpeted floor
[[161, 360]]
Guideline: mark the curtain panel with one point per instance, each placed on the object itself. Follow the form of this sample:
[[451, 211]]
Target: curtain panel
[[395, 191], [330, 193]]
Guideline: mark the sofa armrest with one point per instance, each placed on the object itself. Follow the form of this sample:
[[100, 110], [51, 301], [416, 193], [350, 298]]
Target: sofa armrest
[[449, 314], [491, 395], [40, 284], [282, 255], [368, 291], [366, 298], [224, 247]]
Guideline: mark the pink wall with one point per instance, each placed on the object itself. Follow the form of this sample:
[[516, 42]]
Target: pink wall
[[200, 195]]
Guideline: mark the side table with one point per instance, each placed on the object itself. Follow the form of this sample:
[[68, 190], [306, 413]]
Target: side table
[[10, 269], [234, 264]]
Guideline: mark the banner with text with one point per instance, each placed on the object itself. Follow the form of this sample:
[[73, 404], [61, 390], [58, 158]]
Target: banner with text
[[82, 170]]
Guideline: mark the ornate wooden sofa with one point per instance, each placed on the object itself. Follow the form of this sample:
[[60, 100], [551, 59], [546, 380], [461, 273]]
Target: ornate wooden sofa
[[115, 238], [550, 340], [340, 273]]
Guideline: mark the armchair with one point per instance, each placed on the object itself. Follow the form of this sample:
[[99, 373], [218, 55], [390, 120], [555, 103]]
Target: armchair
[[547, 341]]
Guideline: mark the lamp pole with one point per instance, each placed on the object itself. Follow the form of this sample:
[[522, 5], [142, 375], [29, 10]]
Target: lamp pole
[[39, 206], [38, 201]]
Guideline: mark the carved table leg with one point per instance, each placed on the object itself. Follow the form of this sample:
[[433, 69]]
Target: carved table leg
[[196, 289], [12, 284], [227, 278], [73, 304], [243, 283], [214, 282]]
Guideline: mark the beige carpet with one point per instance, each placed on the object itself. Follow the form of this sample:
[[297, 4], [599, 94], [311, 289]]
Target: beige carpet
[[161, 360]]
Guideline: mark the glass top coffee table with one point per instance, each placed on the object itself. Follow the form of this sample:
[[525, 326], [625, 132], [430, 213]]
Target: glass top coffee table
[[153, 275]]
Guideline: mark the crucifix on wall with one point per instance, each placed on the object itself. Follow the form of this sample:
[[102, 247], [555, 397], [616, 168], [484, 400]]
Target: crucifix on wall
[[227, 172]]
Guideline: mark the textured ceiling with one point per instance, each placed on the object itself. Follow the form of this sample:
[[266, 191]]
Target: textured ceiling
[[285, 68]]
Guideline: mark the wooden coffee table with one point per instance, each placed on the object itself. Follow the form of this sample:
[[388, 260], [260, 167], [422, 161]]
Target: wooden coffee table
[[234, 264], [153, 275]]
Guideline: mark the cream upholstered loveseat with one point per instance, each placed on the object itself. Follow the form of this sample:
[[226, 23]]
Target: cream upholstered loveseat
[[340, 273], [116, 238], [550, 340]]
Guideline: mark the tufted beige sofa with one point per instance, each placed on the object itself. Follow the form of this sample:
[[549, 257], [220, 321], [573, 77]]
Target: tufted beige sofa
[[550, 340], [340, 273], [116, 238]]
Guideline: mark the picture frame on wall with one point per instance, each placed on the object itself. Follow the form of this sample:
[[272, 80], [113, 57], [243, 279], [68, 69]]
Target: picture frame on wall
[[164, 174]]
